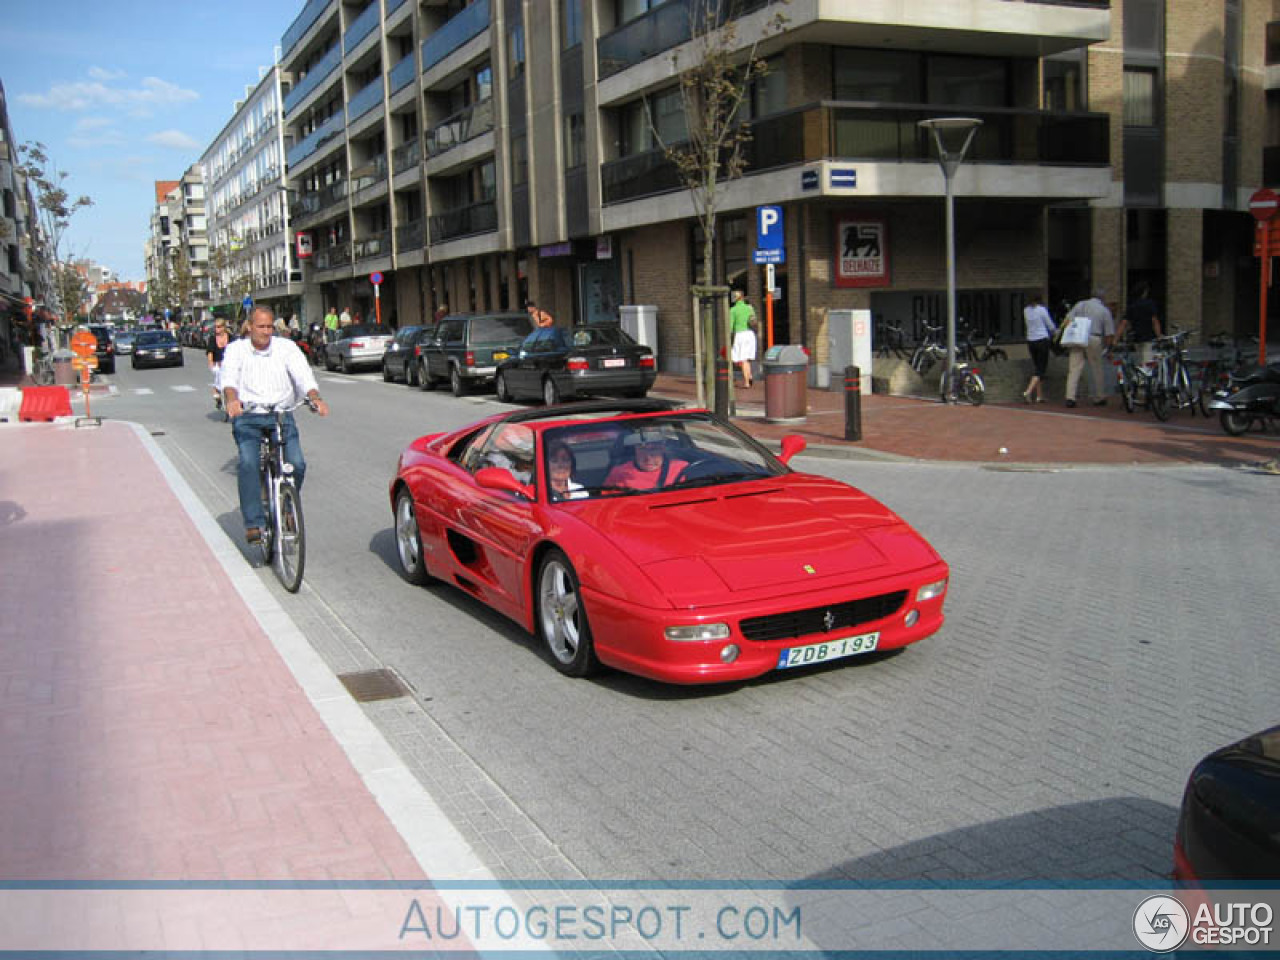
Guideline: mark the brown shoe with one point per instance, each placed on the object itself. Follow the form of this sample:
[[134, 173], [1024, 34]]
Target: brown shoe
[[253, 534]]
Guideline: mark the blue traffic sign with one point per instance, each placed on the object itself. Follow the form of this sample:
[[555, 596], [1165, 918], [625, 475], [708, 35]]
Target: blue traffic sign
[[844, 177], [247, 303], [769, 256], [808, 179], [770, 240]]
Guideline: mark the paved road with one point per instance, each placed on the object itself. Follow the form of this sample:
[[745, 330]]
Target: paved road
[[1105, 629]]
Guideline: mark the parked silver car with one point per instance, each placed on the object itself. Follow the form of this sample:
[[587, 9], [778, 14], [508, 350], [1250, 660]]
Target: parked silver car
[[358, 345]]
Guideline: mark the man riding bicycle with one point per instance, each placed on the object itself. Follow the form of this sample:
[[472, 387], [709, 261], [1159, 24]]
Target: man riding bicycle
[[261, 374]]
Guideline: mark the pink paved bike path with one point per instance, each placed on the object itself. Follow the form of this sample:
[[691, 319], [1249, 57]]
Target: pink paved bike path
[[148, 728]]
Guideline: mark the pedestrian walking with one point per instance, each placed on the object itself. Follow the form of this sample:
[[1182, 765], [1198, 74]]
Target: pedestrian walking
[[540, 317], [345, 319], [1087, 330], [331, 325], [1040, 333], [742, 326]]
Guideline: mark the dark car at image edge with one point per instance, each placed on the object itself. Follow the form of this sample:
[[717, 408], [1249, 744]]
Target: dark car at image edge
[[157, 348], [105, 349]]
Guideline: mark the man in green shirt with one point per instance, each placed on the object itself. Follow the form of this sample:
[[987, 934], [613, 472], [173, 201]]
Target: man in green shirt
[[742, 320], [331, 325]]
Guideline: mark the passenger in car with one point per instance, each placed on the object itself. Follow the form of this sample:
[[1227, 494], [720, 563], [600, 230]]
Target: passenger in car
[[561, 467], [650, 467], [513, 451]]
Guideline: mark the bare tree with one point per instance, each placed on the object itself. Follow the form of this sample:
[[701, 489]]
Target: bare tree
[[184, 282], [54, 210], [716, 69]]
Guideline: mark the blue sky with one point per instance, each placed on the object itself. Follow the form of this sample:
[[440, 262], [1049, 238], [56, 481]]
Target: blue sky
[[127, 92]]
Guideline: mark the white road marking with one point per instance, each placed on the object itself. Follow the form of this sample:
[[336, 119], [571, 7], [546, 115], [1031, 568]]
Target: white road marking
[[142, 391], [183, 388]]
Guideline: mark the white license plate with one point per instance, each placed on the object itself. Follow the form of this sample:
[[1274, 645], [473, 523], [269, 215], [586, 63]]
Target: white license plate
[[828, 650], [615, 362]]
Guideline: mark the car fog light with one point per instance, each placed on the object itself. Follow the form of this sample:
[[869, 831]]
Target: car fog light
[[698, 632], [729, 653], [931, 590], [911, 618]]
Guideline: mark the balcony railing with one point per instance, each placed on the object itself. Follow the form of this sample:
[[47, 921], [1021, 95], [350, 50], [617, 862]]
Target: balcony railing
[[336, 256], [318, 73], [378, 245], [402, 73], [370, 173], [364, 101], [302, 23], [406, 156], [394, 5], [361, 27], [660, 29], [312, 141], [886, 134], [469, 22], [464, 221], [466, 124], [411, 235]]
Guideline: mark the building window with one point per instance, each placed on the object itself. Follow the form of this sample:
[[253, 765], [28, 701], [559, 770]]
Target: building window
[[1139, 97], [575, 140], [878, 76], [570, 23], [967, 81], [515, 49], [519, 160], [1064, 83]]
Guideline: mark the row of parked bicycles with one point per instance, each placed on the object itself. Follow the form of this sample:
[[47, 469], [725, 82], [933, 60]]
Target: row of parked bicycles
[[965, 381], [1228, 382]]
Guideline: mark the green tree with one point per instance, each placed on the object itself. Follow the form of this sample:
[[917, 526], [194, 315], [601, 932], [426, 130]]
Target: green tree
[[184, 283], [716, 70], [54, 210]]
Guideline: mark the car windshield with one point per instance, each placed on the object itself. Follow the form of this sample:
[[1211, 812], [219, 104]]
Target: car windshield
[[101, 334], [602, 336], [505, 329], [364, 330], [648, 454], [155, 338]]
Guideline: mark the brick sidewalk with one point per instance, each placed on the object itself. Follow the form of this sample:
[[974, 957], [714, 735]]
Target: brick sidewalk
[[1039, 433]]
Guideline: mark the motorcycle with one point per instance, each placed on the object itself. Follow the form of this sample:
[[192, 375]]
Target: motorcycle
[[1251, 396]]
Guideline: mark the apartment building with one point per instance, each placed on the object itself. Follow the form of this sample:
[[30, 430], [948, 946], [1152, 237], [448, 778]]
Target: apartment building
[[179, 240], [19, 231], [483, 153], [247, 206]]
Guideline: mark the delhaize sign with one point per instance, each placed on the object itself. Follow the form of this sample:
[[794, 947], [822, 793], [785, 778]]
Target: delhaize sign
[[304, 245]]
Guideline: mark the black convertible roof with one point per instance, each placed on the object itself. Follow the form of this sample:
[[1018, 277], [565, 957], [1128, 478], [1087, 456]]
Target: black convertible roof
[[648, 405]]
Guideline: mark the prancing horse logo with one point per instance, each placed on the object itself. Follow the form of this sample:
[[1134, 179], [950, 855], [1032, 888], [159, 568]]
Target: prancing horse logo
[[828, 620]]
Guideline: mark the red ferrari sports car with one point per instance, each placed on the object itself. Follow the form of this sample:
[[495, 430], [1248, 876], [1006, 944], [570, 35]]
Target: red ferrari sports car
[[661, 541]]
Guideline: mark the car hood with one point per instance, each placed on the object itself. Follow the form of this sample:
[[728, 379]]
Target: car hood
[[765, 537]]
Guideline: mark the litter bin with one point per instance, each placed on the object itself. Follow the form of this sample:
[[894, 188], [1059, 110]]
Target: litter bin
[[786, 370], [64, 374]]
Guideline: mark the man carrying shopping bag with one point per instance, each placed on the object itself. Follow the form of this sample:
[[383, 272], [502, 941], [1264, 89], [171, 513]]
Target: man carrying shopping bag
[[1087, 330]]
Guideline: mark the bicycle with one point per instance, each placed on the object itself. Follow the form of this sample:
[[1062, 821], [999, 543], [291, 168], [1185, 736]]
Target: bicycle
[[965, 383], [284, 539], [1132, 378], [891, 341], [927, 351], [1172, 387]]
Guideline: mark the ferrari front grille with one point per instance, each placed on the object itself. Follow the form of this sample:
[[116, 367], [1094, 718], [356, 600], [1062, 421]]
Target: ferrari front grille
[[820, 620]]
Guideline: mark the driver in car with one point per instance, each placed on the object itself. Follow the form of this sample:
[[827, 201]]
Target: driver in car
[[650, 468]]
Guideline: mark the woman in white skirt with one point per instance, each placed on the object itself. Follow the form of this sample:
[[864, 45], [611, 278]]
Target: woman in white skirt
[[742, 320]]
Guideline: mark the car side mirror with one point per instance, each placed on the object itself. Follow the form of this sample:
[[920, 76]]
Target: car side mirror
[[792, 444], [498, 478]]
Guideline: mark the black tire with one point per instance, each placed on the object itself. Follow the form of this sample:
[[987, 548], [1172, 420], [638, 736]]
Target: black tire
[[328, 362], [457, 383], [386, 373], [500, 388], [560, 618], [267, 543], [413, 562], [998, 353], [410, 374], [291, 548], [343, 366], [1234, 424], [1129, 395], [1159, 400], [550, 392], [425, 380]]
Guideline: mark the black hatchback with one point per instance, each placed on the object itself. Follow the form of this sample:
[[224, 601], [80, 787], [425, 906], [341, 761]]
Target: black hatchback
[[156, 348], [557, 364], [399, 361], [106, 348]]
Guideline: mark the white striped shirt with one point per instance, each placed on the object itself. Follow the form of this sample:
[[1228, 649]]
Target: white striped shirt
[[276, 377]]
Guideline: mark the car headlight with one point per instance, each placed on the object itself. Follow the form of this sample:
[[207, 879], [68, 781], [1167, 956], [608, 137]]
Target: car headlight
[[931, 590], [698, 632]]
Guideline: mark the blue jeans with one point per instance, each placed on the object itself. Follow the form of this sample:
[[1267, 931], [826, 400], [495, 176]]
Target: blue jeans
[[248, 430]]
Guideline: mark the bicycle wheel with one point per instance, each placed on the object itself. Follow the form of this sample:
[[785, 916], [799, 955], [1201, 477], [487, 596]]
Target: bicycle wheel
[[1158, 398], [1129, 395], [973, 389], [267, 544], [291, 550]]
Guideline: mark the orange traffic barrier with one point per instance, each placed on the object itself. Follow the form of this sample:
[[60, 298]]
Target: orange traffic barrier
[[44, 403]]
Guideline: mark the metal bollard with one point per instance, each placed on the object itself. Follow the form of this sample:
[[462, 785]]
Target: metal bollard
[[722, 388], [852, 403]]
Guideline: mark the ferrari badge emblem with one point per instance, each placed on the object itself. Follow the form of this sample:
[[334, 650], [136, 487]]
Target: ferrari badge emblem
[[828, 620], [809, 569]]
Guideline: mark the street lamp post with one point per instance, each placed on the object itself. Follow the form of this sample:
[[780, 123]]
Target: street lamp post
[[952, 129]]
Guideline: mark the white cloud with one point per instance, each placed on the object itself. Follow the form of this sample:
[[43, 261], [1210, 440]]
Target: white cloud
[[101, 73], [92, 123], [174, 139], [105, 138], [83, 95]]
